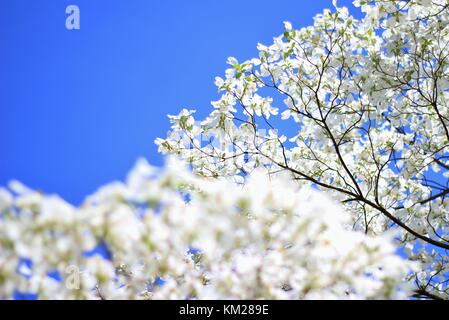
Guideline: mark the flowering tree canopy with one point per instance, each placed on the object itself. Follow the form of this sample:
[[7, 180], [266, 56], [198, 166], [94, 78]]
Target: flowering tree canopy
[[356, 108], [322, 172], [173, 235]]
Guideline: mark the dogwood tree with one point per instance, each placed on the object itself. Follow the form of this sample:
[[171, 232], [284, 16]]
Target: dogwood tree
[[342, 111], [173, 235], [357, 108]]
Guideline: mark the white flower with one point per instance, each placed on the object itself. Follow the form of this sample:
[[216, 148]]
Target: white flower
[[5, 199], [288, 26]]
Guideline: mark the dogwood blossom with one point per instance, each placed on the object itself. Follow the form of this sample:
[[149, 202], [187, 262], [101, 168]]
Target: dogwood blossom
[[354, 107], [174, 235]]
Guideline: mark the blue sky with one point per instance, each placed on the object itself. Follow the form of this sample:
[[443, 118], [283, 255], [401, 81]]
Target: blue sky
[[78, 107]]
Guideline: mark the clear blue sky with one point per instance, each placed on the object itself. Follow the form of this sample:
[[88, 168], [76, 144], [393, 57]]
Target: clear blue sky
[[78, 107]]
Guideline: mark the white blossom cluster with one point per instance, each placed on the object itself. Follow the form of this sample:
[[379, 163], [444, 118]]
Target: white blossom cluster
[[358, 108], [173, 235]]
